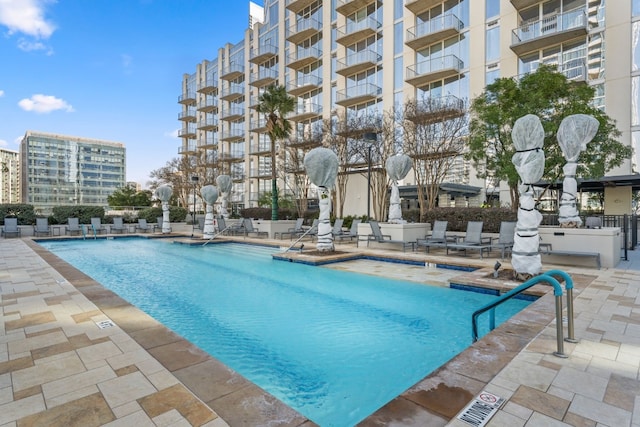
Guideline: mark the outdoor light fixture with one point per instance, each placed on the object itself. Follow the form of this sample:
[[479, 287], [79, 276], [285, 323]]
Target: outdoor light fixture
[[194, 180], [371, 138]]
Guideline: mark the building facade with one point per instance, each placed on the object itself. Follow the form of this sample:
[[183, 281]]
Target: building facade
[[69, 170], [9, 176], [347, 58]]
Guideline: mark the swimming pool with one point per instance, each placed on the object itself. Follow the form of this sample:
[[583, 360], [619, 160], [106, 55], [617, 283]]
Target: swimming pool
[[333, 345]]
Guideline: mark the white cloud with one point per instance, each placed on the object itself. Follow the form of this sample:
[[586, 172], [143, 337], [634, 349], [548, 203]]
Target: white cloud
[[26, 17], [1, 93], [28, 46], [44, 104], [3, 143], [172, 134]]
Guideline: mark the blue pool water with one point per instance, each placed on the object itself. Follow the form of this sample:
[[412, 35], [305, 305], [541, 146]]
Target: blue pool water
[[333, 345]]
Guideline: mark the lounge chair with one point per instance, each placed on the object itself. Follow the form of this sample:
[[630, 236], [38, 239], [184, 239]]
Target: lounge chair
[[158, 226], [118, 225], [504, 241], [73, 226], [293, 231], [438, 237], [378, 237], [96, 225], [230, 230], [11, 228], [42, 227], [309, 231], [143, 226], [337, 227], [352, 233], [472, 240], [593, 222], [249, 229], [201, 223]]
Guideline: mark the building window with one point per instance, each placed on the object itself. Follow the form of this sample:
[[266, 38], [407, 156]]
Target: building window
[[492, 46], [635, 8], [493, 73], [635, 46], [492, 8], [398, 40], [398, 73], [635, 101], [398, 9]]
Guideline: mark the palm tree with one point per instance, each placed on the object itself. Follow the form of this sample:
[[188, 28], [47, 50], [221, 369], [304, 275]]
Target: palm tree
[[275, 103]]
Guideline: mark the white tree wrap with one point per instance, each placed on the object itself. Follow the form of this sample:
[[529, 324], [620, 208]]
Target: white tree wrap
[[164, 194], [321, 165], [210, 195], [398, 167], [574, 133], [528, 139], [224, 186]]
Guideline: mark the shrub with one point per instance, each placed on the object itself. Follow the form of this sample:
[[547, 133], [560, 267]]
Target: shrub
[[459, 217], [24, 212], [84, 213], [265, 213], [176, 214]]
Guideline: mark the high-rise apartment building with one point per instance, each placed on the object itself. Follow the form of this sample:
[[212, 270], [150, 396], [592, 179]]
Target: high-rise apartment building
[[68, 170], [349, 58], [9, 182]]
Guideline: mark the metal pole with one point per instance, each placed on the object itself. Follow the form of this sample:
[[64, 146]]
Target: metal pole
[[194, 179], [369, 185]]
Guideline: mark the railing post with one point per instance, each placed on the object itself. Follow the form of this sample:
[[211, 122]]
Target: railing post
[[569, 288], [559, 331]]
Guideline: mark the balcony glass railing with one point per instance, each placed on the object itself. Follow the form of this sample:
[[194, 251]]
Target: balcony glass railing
[[209, 140], [361, 90], [303, 25], [189, 112], [304, 108], [362, 57], [187, 96], [433, 65], [304, 53], [235, 89], [308, 80], [551, 24], [356, 26], [209, 102], [208, 122], [233, 69], [266, 73], [262, 50], [434, 25], [232, 112]]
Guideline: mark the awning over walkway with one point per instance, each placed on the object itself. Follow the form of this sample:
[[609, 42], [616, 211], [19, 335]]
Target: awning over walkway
[[454, 190], [598, 184]]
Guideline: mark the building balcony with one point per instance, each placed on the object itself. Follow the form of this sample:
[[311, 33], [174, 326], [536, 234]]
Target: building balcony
[[188, 131], [433, 69], [261, 173], [358, 94], [263, 53], [308, 140], [258, 125], [254, 102], [305, 111], [208, 86], [303, 57], [357, 62], [261, 149], [297, 5], [188, 149], [210, 123], [232, 135], [187, 115], [419, 6], [523, 4], [302, 29], [304, 84], [209, 105], [232, 114], [575, 69], [356, 31], [232, 92], [232, 157], [232, 72], [347, 7], [549, 31], [264, 77], [210, 141], [435, 110], [434, 30], [187, 98]]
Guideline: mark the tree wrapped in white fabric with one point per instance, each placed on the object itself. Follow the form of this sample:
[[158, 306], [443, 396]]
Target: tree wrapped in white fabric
[[321, 165], [224, 186], [209, 194], [398, 167], [528, 138], [164, 193], [574, 133]]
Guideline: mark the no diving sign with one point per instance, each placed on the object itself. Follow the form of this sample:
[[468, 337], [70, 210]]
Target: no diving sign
[[481, 409]]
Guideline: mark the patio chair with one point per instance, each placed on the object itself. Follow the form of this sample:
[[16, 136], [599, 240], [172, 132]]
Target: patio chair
[[472, 240], [593, 222], [42, 227], [337, 227], [118, 225], [504, 241], [352, 233], [158, 226], [201, 223], [11, 228], [309, 231], [292, 231], [143, 226], [378, 237], [96, 225], [250, 229], [438, 237], [230, 230], [73, 226]]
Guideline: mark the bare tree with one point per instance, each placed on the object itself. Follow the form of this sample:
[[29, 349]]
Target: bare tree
[[434, 131], [177, 173], [293, 173]]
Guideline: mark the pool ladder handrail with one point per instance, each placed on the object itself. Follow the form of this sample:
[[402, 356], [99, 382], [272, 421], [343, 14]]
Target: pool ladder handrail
[[84, 232], [557, 291], [216, 235], [95, 235], [300, 238]]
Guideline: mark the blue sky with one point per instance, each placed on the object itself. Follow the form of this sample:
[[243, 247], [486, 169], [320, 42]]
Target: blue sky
[[107, 69]]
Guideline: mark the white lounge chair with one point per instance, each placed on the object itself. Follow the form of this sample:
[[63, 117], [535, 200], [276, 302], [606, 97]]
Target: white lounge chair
[[96, 225], [352, 233], [504, 241], [73, 226], [143, 226], [118, 225], [378, 237], [438, 237], [42, 227], [249, 229], [472, 240], [11, 228]]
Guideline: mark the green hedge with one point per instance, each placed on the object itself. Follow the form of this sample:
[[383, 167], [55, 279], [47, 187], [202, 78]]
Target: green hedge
[[24, 212], [458, 217], [176, 214], [61, 214]]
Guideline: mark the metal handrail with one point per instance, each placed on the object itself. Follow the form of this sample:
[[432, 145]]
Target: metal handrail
[[557, 291], [84, 234], [300, 238], [217, 234]]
